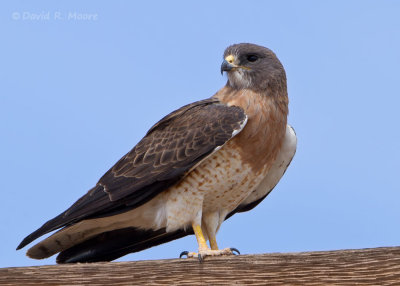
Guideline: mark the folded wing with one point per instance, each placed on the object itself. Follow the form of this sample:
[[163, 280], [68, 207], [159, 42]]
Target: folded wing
[[170, 149], [117, 243]]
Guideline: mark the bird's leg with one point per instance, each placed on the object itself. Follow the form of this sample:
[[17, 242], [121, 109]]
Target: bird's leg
[[213, 242], [211, 231], [204, 250], [211, 222], [201, 240]]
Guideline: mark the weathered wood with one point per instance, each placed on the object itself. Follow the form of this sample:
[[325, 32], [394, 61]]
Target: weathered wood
[[376, 266]]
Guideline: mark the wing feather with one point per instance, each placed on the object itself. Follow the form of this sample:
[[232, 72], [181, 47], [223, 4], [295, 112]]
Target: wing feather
[[116, 243], [170, 149]]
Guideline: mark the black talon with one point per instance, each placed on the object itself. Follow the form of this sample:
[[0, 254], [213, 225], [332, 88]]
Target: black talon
[[183, 253], [235, 250]]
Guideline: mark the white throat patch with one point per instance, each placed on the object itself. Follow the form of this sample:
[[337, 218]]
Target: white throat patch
[[239, 79]]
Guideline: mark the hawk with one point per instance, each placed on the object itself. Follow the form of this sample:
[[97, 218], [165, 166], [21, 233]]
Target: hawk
[[193, 169]]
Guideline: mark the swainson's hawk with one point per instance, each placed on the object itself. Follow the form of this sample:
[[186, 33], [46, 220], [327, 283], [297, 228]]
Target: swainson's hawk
[[193, 169]]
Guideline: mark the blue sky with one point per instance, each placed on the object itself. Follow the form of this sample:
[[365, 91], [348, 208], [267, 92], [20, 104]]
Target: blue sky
[[76, 95]]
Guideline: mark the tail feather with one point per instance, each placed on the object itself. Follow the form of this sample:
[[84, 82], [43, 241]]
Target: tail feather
[[116, 243]]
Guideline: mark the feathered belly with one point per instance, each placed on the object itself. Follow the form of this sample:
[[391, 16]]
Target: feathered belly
[[219, 184]]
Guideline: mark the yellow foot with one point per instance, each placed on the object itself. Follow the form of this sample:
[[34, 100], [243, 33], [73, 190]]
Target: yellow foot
[[209, 252]]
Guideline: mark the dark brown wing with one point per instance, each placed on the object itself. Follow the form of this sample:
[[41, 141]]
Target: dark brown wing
[[116, 243], [169, 150]]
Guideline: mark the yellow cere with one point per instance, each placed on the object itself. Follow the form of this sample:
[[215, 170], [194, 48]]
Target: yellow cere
[[230, 59]]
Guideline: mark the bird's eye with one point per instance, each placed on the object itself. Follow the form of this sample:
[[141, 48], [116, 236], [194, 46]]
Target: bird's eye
[[252, 58]]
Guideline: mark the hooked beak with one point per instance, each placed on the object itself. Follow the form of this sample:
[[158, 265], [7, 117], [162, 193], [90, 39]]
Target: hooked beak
[[229, 64], [226, 66]]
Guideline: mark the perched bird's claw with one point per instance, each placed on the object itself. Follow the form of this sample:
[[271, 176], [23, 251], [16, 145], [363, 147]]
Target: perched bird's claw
[[202, 254], [235, 250], [184, 253]]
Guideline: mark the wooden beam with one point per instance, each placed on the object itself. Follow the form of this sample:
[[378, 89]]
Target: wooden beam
[[376, 266]]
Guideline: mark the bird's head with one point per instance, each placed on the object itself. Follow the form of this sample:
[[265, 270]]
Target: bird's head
[[250, 66]]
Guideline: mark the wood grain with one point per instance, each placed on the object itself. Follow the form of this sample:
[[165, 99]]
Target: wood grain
[[376, 266]]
